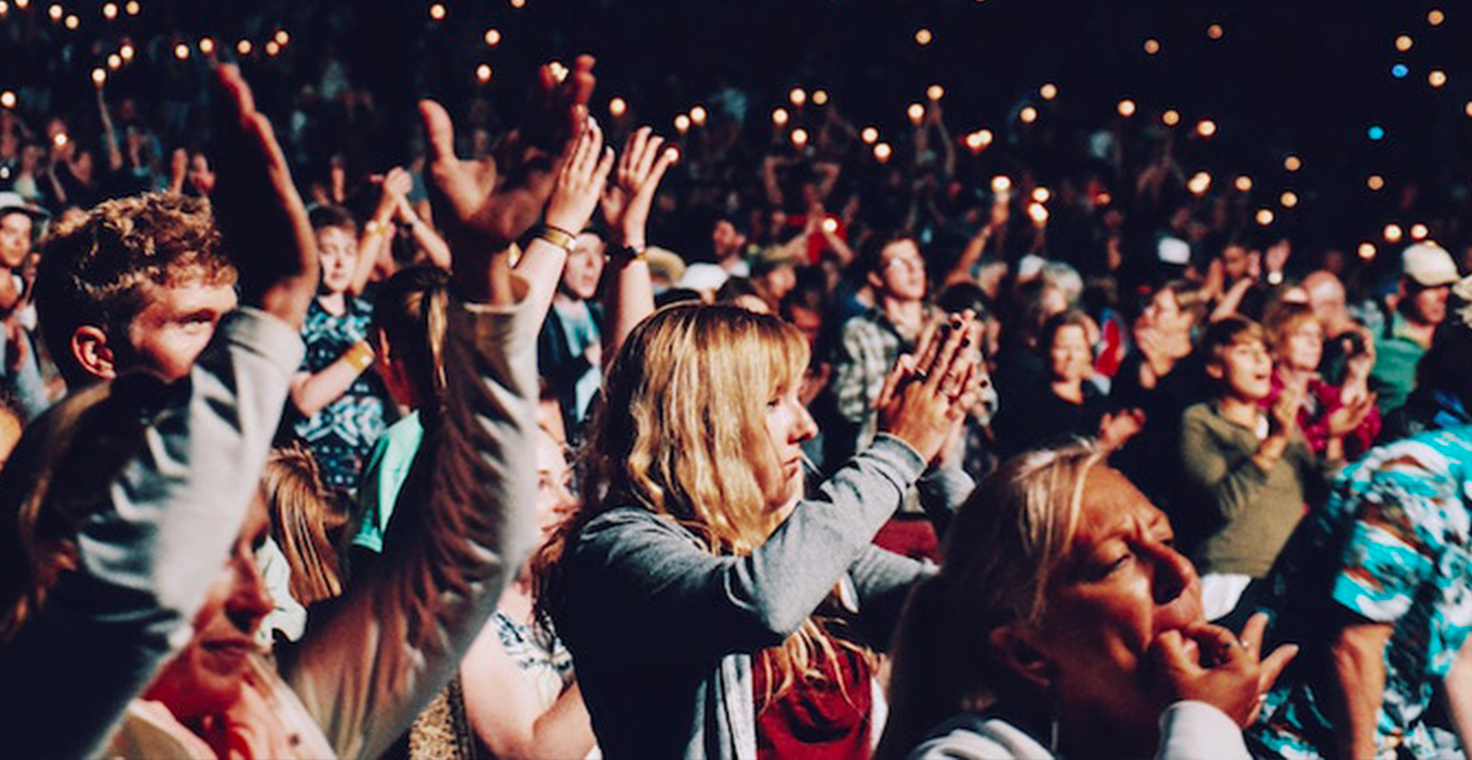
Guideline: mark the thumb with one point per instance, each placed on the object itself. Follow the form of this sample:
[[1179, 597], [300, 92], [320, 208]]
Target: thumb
[[439, 129]]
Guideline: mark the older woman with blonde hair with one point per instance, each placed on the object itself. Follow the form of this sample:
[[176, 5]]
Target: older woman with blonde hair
[[1064, 623], [699, 586]]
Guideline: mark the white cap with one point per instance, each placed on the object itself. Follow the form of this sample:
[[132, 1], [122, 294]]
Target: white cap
[[1173, 251], [703, 276], [1429, 265]]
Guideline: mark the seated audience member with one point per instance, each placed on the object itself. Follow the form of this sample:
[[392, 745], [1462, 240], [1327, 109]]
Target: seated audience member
[[1072, 405], [302, 560], [1438, 401], [1342, 334], [125, 498], [343, 407], [1375, 586], [1297, 340], [1064, 623], [1247, 475], [1427, 274], [698, 587]]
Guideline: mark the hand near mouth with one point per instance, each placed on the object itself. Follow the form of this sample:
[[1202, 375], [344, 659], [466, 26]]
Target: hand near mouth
[[1208, 663]]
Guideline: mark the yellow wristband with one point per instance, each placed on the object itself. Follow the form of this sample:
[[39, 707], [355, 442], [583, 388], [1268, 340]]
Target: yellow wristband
[[359, 356], [375, 227], [557, 236]]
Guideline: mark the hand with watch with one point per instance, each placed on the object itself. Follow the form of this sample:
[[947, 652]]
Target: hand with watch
[[582, 179], [627, 199]]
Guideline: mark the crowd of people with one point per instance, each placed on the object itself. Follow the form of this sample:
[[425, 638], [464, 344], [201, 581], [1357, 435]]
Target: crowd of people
[[599, 442]]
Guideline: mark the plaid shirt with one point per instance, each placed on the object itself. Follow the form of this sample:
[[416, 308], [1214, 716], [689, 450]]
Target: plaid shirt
[[869, 347]]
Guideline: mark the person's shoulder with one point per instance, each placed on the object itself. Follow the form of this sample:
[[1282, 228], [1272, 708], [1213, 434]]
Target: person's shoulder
[[973, 737]]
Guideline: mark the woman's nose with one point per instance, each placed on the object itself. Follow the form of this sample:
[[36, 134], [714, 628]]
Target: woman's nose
[[1173, 573]]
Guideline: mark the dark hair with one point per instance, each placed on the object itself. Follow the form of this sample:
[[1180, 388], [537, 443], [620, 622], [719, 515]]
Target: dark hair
[[327, 217], [734, 288], [870, 259], [1070, 318], [961, 296], [1224, 333], [411, 312]]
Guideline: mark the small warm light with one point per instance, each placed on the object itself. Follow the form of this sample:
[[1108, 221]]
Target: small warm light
[[1467, 109], [798, 96], [72, 22], [518, 3], [109, 11], [272, 48], [1375, 182], [21, 4], [1126, 108], [924, 37], [870, 135], [1001, 183], [820, 97], [207, 46], [799, 137], [493, 37], [698, 115], [282, 37], [1289, 199], [882, 152], [985, 135], [973, 141], [1419, 231], [56, 12], [1393, 233], [126, 51], [1264, 216], [437, 11], [830, 225], [1199, 183], [1404, 43], [1215, 31], [114, 61], [617, 107], [1103, 199], [1243, 183], [1171, 117], [1041, 195], [916, 112], [1435, 18], [1206, 128], [1028, 115], [4, 7], [181, 51], [558, 71], [132, 8], [1048, 91], [60, 140], [244, 47], [1152, 46], [1038, 212], [673, 154], [1436, 78], [682, 124], [98, 77], [483, 72], [1367, 251], [7, 99], [1293, 163], [780, 116], [935, 92]]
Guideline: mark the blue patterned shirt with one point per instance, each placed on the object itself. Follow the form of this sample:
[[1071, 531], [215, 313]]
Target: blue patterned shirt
[[1391, 546], [342, 434]]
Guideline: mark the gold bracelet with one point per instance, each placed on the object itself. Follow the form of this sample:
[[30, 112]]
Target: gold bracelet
[[375, 227], [557, 236], [359, 356]]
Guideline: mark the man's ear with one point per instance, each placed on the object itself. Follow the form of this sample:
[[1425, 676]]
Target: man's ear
[[1016, 651], [91, 350], [874, 280], [1215, 370]]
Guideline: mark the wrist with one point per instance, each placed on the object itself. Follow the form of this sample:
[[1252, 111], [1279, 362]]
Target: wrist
[[558, 236], [360, 356]]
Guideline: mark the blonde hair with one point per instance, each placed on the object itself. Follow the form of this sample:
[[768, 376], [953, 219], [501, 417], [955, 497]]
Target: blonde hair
[[56, 478], [681, 432], [305, 519], [1000, 559]]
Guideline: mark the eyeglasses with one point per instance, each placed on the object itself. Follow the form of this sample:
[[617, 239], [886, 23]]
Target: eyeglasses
[[908, 262]]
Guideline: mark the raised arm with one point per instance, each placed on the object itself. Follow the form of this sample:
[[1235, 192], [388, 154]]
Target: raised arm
[[629, 298], [583, 176]]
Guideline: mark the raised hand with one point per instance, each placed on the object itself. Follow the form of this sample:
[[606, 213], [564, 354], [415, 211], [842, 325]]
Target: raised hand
[[583, 179], [483, 206], [927, 394], [261, 217], [628, 198]]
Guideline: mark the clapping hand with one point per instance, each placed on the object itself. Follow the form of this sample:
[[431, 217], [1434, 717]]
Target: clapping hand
[[627, 200]]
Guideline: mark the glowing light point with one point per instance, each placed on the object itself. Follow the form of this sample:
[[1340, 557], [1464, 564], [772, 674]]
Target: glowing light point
[[1206, 128], [870, 135], [799, 137], [114, 61], [1038, 212], [132, 8], [1048, 91], [682, 124], [882, 152], [7, 99], [1152, 46], [437, 12], [935, 92], [181, 51], [1419, 231], [98, 77], [1001, 183], [207, 46], [1400, 71], [830, 225], [1041, 195], [1292, 163], [780, 116], [1215, 31], [1367, 251], [985, 136], [798, 96], [1171, 118], [1243, 183], [1375, 182], [1404, 43], [483, 72], [1028, 115], [1289, 199], [1264, 216], [617, 107], [126, 51], [272, 48], [1436, 78], [518, 3], [109, 11], [698, 115], [924, 37], [916, 112], [282, 37], [1376, 133], [1435, 18], [820, 97], [1393, 233], [1126, 108], [244, 47], [1199, 183], [56, 12], [72, 22], [973, 141], [493, 37]]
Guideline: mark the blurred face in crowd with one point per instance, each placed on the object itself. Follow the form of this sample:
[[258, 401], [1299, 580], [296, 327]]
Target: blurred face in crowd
[[1326, 298], [1427, 305], [207, 676], [1245, 368], [726, 240], [777, 283], [337, 249], [175, 326], [584, 267], [1164, 313], [1235, 262], [1121, 585], [555, 500], [1303, 346], [200, 176], [788, 425], [902, 271], [1070, 357], [15, 239]]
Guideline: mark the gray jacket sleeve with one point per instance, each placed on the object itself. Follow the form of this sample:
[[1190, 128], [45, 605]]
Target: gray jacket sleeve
[[369, 665], [147, 558], [641, 587]]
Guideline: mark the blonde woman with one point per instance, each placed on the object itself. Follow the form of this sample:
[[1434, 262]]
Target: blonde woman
[[687, 586], [1064, 624]]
